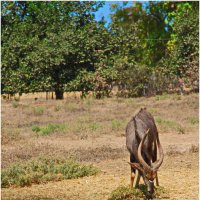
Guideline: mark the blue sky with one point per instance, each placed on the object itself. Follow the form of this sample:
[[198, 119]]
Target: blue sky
[[105, 10]]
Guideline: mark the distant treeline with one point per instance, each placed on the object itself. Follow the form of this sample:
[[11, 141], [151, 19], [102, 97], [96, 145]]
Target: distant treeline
[[148, 48]]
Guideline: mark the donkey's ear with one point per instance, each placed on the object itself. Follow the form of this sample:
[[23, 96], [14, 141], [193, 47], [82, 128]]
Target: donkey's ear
[[136, 166]]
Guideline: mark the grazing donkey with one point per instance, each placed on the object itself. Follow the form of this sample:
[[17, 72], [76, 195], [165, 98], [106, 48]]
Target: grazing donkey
[[141, 140]]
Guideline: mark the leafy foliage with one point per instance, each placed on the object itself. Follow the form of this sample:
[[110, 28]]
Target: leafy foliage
[[184, 57], [58, 46], [46, 43]]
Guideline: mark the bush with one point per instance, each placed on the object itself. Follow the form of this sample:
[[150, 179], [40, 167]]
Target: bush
[[43, 170]]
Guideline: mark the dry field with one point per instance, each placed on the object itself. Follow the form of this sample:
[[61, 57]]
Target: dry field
[[92, 132]]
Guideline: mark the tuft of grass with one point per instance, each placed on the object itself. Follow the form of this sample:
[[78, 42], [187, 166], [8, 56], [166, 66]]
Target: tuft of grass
[[43, 170], [124, 193], [57, 108], [165, 96], [15, 104], [165, 123], [48, 129], [180, 130], [117, 125], [176, 97], [38, 110], [194, 120], [94, 126]]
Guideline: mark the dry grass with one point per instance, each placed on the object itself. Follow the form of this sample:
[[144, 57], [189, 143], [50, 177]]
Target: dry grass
[[75, 119], [92, 131]]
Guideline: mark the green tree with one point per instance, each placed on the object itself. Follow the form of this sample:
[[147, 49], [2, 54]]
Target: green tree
[[44, 44], [183, 48], [154, 28]]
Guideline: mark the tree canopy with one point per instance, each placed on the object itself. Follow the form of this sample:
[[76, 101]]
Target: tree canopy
[[58, 46]]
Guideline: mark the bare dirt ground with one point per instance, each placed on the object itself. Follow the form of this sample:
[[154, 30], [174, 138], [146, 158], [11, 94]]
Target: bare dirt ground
[[94, 134]]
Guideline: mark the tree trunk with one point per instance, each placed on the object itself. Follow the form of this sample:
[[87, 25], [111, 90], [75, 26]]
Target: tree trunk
[[59, 94]]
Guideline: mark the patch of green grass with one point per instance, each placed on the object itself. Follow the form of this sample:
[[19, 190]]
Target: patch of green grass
[[43, 170], [38, 110], [169, 124], [117, 125], [166, 122], [130, 101], [165, 96], [194, 120], [176, 97], [94, 126], [124, 193], [36, 128], [48, 129]]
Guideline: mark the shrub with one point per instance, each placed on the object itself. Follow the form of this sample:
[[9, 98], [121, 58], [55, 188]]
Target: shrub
[[43, 170]]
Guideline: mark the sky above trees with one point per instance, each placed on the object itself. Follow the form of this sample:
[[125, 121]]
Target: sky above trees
[[105, 11]]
